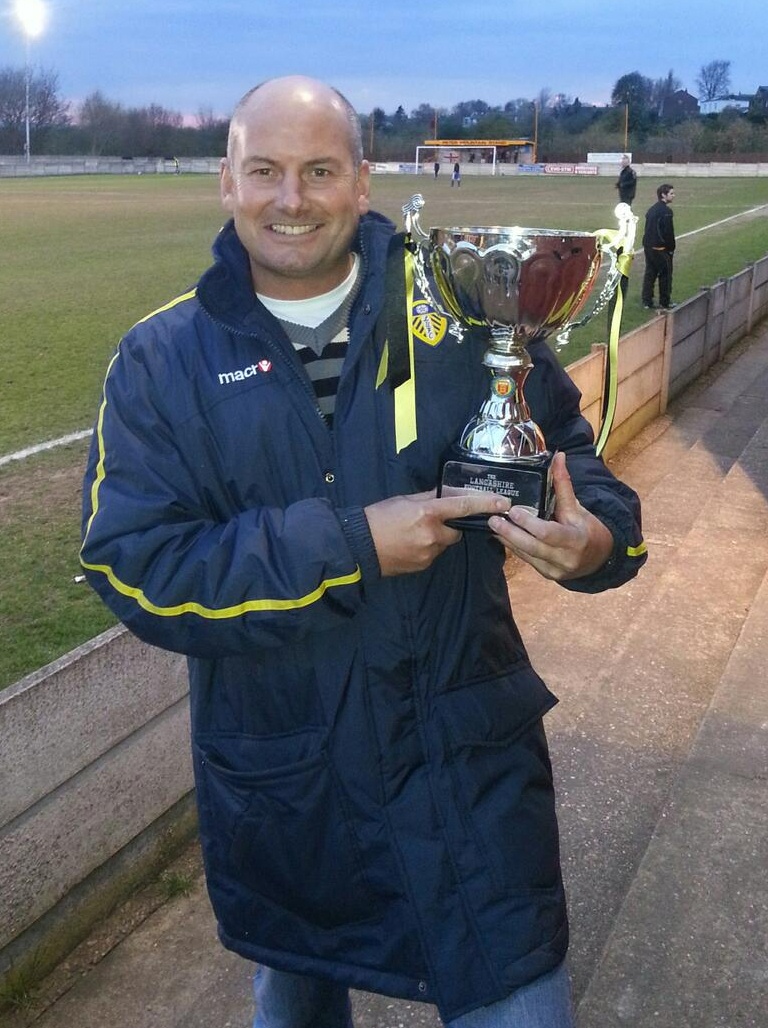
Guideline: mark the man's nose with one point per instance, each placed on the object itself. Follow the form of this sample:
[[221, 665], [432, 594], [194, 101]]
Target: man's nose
[[291, 192]]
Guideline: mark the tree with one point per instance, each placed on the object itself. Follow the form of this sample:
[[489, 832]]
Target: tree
[[663, 89], [714, 80], [636, 91], [102, 123], [151, 131], [633, 89], [46, 108], [470, 111], [399, 118]]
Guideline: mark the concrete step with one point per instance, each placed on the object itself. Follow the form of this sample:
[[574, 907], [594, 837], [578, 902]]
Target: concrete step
[[637, 668], [689, 948]]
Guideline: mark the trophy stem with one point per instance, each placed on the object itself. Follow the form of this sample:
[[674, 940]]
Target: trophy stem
[[507, 351], [503, 428]]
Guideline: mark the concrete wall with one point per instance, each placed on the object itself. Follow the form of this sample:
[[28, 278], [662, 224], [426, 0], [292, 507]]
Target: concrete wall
[[95, 752], [12, 166], [39, 167], [94, 762], [659, 359]]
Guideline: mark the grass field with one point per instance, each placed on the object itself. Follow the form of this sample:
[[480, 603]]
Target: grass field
[[84, 258]]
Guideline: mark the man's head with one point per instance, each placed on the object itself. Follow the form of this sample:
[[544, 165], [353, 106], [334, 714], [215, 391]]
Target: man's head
[[295, 181], [666, 193], [625, 161]]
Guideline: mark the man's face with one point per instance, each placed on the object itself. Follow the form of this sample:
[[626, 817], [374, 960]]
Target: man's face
[[294, 192], [668, 197]]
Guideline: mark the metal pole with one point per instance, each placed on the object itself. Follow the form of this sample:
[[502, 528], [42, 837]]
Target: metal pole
[[27, 149]]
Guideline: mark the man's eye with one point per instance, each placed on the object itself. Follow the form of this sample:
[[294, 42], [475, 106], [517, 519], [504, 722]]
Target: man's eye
[[320, 172]]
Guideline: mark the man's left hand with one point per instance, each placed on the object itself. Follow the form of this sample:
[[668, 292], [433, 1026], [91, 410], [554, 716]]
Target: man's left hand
[[572, 544]]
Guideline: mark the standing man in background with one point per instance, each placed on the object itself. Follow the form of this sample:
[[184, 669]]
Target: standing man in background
[[626, 183], [659, 248], [373, 781]]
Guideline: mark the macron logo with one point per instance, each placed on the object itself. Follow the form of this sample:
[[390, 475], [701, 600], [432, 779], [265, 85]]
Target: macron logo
[[260, 368]]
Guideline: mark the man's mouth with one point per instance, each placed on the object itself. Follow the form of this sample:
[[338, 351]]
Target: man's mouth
[[293, 230]]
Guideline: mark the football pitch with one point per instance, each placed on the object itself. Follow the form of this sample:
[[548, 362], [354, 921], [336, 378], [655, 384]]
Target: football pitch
[[84, 258]]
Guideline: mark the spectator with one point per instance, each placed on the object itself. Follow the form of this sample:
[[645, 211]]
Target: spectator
[[627, 181], [659, 249]]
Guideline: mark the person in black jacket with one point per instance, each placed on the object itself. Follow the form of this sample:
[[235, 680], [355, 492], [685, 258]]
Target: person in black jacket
[[373, 781], [627, 181], [659, 247]]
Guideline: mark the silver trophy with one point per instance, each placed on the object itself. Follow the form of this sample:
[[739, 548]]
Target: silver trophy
[[519, 285]]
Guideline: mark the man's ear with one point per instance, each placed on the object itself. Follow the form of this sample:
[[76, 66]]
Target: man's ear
[[364, 188], [226, 184]]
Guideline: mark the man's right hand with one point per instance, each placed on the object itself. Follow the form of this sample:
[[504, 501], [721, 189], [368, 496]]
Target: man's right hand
[[409, 532]]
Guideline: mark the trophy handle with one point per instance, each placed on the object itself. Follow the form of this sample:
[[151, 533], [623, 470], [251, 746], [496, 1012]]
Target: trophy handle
[[416, 241], [410, 210], [612, 244]]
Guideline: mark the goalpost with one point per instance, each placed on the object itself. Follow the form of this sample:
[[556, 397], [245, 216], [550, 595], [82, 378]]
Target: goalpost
[[454, 149]]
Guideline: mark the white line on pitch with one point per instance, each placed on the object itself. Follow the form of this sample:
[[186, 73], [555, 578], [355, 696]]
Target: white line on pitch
[[30, 451]]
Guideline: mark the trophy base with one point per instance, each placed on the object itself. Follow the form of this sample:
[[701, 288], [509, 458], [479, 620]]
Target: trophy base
[[525, 481]]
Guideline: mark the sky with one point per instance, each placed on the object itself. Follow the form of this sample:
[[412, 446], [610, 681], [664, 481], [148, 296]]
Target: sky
[[192, 56]]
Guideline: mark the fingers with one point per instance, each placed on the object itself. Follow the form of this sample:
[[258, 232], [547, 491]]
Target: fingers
[[572, 544], [409, 532], [473, 501], [566, 503]]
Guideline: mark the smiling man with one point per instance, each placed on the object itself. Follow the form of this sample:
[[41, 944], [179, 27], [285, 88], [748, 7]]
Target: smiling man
[[375, 796], [296, 185]]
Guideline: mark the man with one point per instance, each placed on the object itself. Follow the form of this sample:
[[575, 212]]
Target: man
[[375, 796], [659, 247], [626, 183]]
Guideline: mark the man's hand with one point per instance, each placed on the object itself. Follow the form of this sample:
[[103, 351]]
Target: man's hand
[[409, 532], [573, 544]]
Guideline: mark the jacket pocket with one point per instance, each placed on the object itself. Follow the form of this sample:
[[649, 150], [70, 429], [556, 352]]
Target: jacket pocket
[[278, 824], [498, 758]]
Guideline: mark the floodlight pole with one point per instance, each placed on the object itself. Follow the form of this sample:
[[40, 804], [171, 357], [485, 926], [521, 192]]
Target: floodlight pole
[[27, 75], [31, 15]]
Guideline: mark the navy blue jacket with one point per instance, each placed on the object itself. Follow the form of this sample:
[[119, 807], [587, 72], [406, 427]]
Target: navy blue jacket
[[374, 789]]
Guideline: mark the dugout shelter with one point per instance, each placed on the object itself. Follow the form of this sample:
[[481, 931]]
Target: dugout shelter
[[492, 151]]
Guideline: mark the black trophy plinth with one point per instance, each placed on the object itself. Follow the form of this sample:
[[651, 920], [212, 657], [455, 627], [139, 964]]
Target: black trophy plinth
[[526, 481]]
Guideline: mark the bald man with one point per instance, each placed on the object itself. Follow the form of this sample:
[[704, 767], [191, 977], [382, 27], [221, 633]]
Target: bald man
[[374, 789]]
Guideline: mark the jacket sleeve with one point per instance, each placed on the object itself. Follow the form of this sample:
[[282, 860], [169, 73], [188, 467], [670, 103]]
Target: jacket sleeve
[[179, 576], [554, 402], [668, 231]]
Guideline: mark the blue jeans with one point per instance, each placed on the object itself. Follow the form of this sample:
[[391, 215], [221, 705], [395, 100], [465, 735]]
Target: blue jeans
[[292, 1001]]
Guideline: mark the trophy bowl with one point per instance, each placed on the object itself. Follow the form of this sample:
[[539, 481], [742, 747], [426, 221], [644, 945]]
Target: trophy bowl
[[520, 285]]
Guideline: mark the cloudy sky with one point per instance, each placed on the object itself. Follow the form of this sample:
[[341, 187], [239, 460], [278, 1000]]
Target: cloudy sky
[[190, 55]]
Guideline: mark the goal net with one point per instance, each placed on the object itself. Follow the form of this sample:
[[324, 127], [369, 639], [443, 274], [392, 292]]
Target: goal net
[[448, 155]]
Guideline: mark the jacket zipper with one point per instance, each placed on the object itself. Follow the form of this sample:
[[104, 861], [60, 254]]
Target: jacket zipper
[[275, 349]]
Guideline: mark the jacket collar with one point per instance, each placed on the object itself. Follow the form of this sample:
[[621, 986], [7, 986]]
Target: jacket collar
[[226, 290]]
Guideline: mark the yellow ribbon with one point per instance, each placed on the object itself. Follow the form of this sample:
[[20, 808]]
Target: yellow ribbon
[[624, 263], [404, 394]]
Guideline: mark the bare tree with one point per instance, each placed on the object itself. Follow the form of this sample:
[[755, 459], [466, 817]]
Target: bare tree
[[663, 89], [206, 120], [714, 80], [101, 121], [46, 108]]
